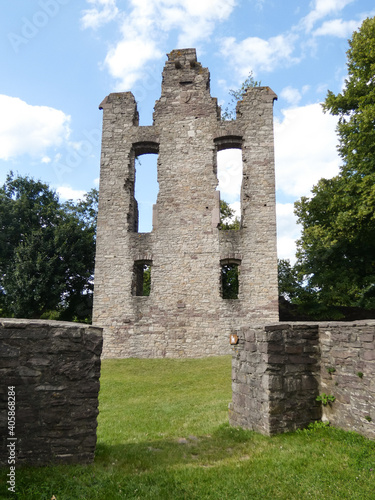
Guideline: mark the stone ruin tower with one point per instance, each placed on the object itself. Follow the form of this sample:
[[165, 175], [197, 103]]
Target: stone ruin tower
[[185, 314]]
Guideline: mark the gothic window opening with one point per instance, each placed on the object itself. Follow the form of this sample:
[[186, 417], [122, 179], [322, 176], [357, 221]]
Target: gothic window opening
[[230, 272], [141, 286]]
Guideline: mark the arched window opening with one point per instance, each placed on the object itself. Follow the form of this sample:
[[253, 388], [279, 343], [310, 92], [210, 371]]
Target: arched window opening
[[229, 173], [230, 272], [141, 285]]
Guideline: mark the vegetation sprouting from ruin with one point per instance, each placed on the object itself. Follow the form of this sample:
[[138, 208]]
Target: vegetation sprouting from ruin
[[229, 112]]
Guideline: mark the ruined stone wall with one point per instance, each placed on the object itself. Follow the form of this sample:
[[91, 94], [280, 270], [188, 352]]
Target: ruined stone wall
[[185, 314], [53, 369], [347, 372], [279, 370], [275, 378]]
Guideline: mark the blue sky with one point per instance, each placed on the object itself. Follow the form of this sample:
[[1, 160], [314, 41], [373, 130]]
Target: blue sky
[[60, 58]]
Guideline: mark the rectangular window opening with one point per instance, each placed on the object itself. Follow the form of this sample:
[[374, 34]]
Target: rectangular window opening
[[142, 279], [229, 281], [230, 173]]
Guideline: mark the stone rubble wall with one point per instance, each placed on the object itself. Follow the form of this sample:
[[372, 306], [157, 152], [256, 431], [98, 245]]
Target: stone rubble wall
[[349, 350], [55, 369], [185, 314], [280, 369]]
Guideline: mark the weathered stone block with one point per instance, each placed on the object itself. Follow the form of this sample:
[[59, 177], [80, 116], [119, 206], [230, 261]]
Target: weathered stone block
[[284, 389], [368, 355], [56, 407]]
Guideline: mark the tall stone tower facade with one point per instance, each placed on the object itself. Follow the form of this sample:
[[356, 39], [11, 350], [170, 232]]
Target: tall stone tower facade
[[185, 313]]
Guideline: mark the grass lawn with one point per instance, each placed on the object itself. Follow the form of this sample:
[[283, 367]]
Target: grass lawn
[[163, 434]]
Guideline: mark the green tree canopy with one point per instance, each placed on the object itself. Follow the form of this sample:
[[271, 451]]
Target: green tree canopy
[[47, 251], [336, 252], [228, 218]]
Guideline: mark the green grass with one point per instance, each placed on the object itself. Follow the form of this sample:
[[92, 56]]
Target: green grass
[[163, 434]]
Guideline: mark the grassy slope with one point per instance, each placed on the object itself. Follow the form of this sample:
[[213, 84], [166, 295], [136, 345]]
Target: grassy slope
[[163, 434]]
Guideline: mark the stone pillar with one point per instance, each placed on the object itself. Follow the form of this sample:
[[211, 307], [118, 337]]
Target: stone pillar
[[275, 378], [259, 262]]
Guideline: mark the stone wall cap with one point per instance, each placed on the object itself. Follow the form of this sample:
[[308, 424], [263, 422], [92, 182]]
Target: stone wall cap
[[22, 323], [177, 54], [116, 96], [324, 324]]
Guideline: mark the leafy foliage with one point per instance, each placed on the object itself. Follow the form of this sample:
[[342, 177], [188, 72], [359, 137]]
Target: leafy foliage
[[229, 112], [230, 271], [325, 399], [229, 281], [47, 251], [289, 283], [228, 219], [146, 280], [336, 253]]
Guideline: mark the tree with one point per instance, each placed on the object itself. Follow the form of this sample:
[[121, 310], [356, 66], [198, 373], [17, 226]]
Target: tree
[[336, 252], [229, 112], [230, 271], [146, 280], [228, 219], [229, 281], [289, 283], [47, 251], [355, 106]]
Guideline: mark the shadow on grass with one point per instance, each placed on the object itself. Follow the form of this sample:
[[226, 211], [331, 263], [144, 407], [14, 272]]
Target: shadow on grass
[[203, 451], [229, 463]]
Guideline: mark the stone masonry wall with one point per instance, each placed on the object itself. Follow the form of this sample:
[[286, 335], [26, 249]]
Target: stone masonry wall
[[54, 368], [279, 370], [275, 378], [185, 314], [349, 350]]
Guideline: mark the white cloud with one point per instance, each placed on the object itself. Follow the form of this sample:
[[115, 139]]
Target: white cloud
[[32, 130], [229, 173], [323, 8], [126, 60], [68, 193], [291, 95], [305, 149], [256, 54], [102, 12], [145, 26], [236, 206], [337, 27], [194, 18]]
